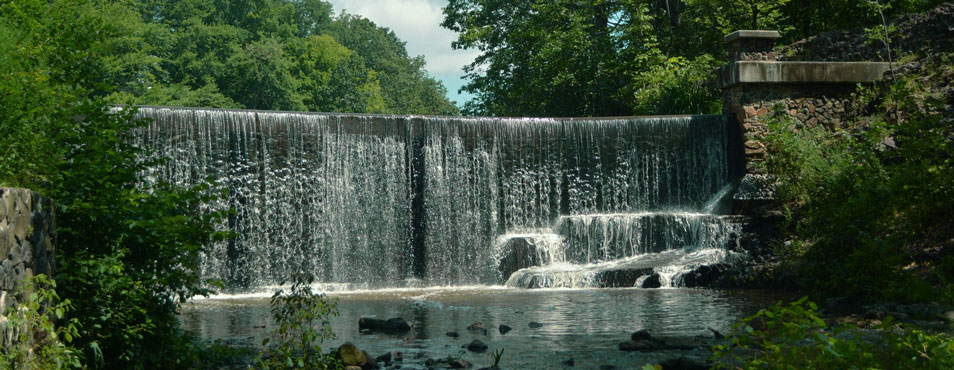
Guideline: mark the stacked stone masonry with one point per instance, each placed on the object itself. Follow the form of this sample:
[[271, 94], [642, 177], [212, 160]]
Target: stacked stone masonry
[[811, 105], [812, 93], [27, 247]]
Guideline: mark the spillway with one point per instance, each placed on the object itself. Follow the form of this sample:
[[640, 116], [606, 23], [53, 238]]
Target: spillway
[[365, 201]]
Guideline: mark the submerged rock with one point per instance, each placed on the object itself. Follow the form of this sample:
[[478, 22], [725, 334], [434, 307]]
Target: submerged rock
[[392, 325], [477, 326], [350, 355], [535, 325], [460, 364], [477, 346], [642, 345], [504, 329], [641, 334], [385, 358], [452, 334], [569, 362]]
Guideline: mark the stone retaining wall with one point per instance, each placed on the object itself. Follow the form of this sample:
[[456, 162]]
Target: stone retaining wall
[[814, 93], [27, 245]]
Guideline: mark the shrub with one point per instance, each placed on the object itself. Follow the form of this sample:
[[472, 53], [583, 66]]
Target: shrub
[[862, 200], [678, 86], [301, 318], [36, 342], [793, 336]]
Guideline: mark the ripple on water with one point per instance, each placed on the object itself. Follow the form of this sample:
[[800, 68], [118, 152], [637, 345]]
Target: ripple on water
[[585, 324]]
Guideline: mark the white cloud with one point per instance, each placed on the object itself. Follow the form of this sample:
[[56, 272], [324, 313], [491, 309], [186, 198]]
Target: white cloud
[[417, 22]]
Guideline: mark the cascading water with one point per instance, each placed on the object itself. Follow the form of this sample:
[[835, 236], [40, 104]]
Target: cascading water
[[391, 201]]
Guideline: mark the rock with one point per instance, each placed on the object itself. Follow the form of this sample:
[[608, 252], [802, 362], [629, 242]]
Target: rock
[[704, 276], [653, 281], [520, 252], [504, 329], [397, 356], [716, 334], [476, 326], [460, 364], [432, 362], [641, 345], [641, 334], [385, 358], [682, 363], [452, 334], [535, 325], [569, 362], [392, 325], [350, 355], [371, 364], [477, 346]]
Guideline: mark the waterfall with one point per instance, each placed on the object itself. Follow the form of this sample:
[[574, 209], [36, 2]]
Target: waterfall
[[368, 201]]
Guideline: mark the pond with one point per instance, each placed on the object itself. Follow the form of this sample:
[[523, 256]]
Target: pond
[[583, 324]]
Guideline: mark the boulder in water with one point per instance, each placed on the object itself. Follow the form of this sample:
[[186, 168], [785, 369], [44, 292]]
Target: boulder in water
[[477, 326], [641, 334], [477, 346], [504, 329], [642, 345], [452, 334], [519, 252], [385, 358], [534, 325], [652, 282], [392, 325], [459, 364], [704, 276], [350, 355]]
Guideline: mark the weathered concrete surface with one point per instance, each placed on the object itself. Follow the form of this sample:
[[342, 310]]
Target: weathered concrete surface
[[761, 72], [27, 245], [751, 35], [751, 45]]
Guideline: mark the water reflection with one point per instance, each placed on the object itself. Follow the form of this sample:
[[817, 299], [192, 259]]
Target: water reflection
[[585, 324]]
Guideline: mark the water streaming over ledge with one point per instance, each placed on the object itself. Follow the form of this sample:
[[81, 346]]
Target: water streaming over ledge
[[392, 201]]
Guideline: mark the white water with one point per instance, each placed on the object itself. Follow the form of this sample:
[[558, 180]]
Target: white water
[[371, 202]]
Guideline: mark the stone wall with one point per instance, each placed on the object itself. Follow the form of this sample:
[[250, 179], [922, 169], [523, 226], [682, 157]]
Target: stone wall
[[812, 92], [828, 106], [27, 245]]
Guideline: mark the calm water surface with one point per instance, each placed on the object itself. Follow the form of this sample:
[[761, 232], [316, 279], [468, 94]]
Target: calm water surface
[[583, 324]]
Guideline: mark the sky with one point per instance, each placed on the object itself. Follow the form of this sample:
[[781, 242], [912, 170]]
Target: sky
[[418, 23]]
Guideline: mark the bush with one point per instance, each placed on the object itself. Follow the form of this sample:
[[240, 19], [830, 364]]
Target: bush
[[863, 202], [301, 317], [129, 251], [678, 86], [36, 342], [793, 336]]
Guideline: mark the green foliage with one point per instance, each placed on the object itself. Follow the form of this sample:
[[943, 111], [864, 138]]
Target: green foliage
[[623, 57], [129, 251], [263, 54], [301, 316], [793, 336], [38, 340], [863, 202], [678, 86]]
